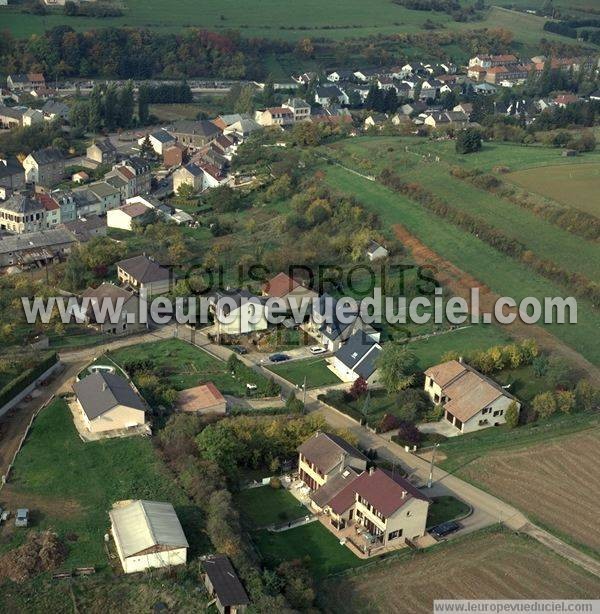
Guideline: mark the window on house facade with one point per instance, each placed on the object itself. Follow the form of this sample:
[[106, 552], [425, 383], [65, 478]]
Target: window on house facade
[[394, 534]]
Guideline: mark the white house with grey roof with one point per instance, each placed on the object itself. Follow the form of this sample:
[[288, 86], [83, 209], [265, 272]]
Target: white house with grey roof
[[375, 251], [44, 166], [108, 402], [144, 275], [147, 535], [357, 358], [159, 139]]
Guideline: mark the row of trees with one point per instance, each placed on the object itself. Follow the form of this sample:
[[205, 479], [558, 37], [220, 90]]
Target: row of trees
[[108, 107], [164, 93]]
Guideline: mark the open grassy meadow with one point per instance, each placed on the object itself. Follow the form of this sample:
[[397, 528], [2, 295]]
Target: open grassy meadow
[[503, 275], [575, 185], [555, 482], [489, 564], [69, 486]]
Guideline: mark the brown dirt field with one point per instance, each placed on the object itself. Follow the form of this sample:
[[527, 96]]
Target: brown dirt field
[[482, 566], [555, 483], [460, 283]]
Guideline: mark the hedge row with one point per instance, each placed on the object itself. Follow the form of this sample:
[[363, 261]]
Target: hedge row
[[579, 284], [11, 390]]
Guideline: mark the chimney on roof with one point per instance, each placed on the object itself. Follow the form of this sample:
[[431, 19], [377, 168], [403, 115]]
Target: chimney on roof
[[403, 494], [371, 470], [103, 386], [460, 359]]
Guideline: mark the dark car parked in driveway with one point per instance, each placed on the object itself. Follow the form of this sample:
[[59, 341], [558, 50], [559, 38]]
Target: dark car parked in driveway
[[278, 357], [239, 349], [441, 530]]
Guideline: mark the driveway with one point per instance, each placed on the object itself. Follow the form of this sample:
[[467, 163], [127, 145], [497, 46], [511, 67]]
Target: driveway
[[442, 427]]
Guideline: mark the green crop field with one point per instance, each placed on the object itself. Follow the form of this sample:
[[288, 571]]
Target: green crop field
[[502, 274], [576, 185]]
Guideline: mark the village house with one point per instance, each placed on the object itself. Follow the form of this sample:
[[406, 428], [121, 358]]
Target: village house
[[129, 321], [377, 510], [44, 167], [223, 584], [326, 95], [55, 109], [159, 139], [131, 177], [238, 312], [12, 175], [126, 215], [224, 121], [31, 117], [203, 399], [86, 228], [11, 117], [242, 128], [108, 402], [144, 275], [470, 400], [274, 116], [22, 213], [357, 358], [190, 175], [299, 107], [292, 293], [102, 151], [194, 134], [324, 457], [147, 535], [26, 82], [173, 154], [52, 213], [36, 248]]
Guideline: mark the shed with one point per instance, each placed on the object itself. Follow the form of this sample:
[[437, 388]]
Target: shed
[[147, 535], [223, 583]]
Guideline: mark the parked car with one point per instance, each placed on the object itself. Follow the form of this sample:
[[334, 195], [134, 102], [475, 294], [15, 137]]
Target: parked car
[[239, 349], [278, 357], [22, 517], [441, 530], [317, 349], [251, 387]]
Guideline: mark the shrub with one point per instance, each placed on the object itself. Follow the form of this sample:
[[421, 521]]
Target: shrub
[[565, 401], [512, 415], [468, 141], [586, 396], [544, 404], [408, 434], [275, 483], [389, 422]]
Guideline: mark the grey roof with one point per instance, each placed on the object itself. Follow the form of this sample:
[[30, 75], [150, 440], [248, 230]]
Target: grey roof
[[246, 125], [325, 449], [143, 269], [193, 169], [116, 181], [104, 145], [55, 107], [31, 240], [22, 204], [202, 128], [83, 228], [224, 580], [142, 525], [101, 391], [12, 112], [297, 103], [329, 91], [333, 328], [84, 197], [237, 296], [9, 167], [360, 353], [232, 118], [373, 247], [103, 189], [138, 164], [49, 155], [162, 135]]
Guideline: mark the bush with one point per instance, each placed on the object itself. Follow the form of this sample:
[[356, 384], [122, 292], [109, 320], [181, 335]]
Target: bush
[[275, 483], [408, 434], [544, 404], [468, 141], [389, 422], [512, 415]]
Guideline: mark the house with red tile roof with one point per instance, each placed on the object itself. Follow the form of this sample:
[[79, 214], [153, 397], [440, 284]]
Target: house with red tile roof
[[204, 399], [471, 401], [292, 292]]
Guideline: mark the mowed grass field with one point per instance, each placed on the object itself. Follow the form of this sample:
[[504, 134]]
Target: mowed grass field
[[315, 371], [486, 565], [575, 185], [556, 483]]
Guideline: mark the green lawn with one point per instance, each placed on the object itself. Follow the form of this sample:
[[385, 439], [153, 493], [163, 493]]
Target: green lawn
[[323, 551], [445, 508], [70, 486], [265, 506], [460, 451], [314, 369], [184, 366], [502, 274]]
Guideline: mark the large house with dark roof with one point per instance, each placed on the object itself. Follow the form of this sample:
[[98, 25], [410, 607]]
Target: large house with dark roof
[[44, 166], [22, 213], [326, 455], [108, 402], [125, 300], [144, 274], [357, 358], [470, 400], [194, 134]]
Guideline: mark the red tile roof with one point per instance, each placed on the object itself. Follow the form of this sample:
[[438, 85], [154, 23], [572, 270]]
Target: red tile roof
[[281, 285], [47, 202]]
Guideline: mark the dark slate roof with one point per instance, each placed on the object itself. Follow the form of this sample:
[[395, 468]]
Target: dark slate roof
[[333, 328], [144, 269], [138, 164], [55, 107], [329, 91], [193, 169], [225, 581], [162, 135], [9, 167], [324, 450], [104, 145], [21, 203], [323, 495], [33, 240], [12, 112], [49, 155], [101, 391], [202, 128], [359, 353]]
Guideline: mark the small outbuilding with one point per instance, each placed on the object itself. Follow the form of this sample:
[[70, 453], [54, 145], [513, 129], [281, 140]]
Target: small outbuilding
[[205, 399], [224, 585], [147, 535]]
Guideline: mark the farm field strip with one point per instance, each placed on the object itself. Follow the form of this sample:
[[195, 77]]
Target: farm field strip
[[507, 565], [503, 275], [557, 483]]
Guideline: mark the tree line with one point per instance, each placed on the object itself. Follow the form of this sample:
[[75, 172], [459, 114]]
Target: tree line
[[108, 107]]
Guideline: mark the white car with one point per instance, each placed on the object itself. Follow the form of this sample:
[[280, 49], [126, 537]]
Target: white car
[[315, 349], [251, 386]]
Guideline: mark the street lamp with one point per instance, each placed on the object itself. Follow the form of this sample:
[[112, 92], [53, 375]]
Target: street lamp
[[430, 480]]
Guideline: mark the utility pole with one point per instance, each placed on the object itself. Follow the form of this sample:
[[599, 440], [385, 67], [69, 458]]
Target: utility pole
[[430, 480], [304, 395]]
